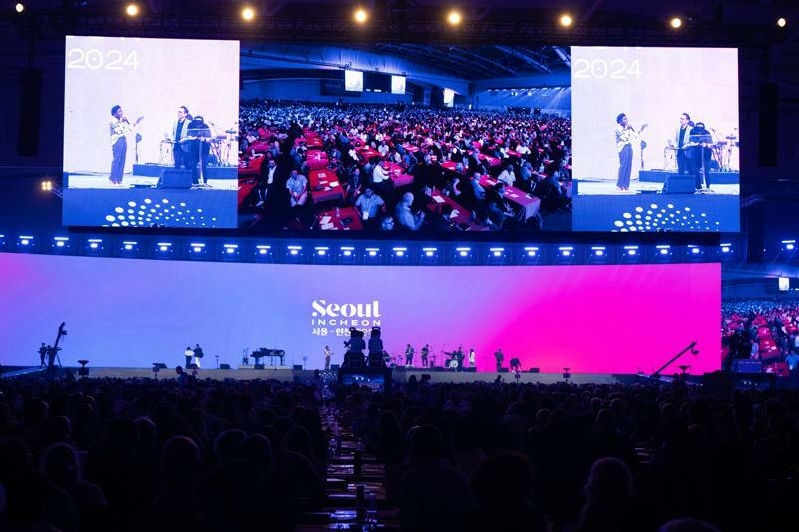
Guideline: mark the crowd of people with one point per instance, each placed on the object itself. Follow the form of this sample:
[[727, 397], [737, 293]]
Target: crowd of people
[[444, 151], [183, 453], [765, 330]]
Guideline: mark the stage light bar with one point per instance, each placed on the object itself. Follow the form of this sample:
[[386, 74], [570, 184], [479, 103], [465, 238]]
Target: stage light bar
[[230, 249], [566, 251], [372, 252], [497, 252], [463, 251], [164, 248], [399, 251], [347, 251], [429, 252], [631, 251], [725, 248], [294, 250], [129, 246], [663, 250], [531, 251], [262, 249], [197, 247], [598, 251], [61, 242], [788, 245], [321, 250]]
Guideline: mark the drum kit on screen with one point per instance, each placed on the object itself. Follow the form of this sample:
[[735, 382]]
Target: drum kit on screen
[[221, 144], [722, 150]]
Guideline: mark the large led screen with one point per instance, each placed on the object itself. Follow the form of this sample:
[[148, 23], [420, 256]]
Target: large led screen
[[504, 140], [150, 132], [131, 313]]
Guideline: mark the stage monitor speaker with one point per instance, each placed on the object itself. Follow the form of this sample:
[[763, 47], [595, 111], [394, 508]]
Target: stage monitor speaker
[[259, 366], [159, 365], [679, 184], [297, 367], [30, 112], [334, 367], [224, 366], [469, 370], [534, 370], [503, 370], [175, 178]]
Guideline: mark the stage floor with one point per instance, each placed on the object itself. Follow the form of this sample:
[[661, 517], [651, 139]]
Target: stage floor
[[131, 181], [284, 373]]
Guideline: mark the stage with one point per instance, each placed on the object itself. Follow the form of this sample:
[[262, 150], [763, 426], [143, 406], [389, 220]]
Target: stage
[[597, 205]]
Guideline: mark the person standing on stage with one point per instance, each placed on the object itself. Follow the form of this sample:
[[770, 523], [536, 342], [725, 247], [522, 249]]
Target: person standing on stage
[[625, 136], [700, 155], [680, 140], [425, 353], [198, 355], [180, 148], [472, 357], [189, 354], [500, 358], [409, 356], [119, 129], [328, 354], [199, 149], [43, 355]]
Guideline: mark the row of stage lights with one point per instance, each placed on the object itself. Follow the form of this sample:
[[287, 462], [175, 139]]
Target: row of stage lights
[[382, 253], [361, 16]]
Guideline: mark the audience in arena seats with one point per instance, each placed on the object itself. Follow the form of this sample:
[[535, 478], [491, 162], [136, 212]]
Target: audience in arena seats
[[394, 150]]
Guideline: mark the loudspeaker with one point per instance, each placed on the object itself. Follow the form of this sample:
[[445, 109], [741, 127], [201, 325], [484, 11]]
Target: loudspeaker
[[503, 370], [297, 367], [224, 366], [679, 184], [767, 152], [259, 366], [469, 370], [534, 370], [175, 178], [30, 112], [334, 367], [159, 365]]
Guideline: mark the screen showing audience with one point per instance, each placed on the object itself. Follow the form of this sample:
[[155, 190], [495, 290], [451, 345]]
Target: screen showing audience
[[127, 162], [583, 139], [591, 319]]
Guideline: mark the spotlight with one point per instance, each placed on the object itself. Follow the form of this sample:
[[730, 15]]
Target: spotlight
[[294, 253], [373, 255], [631, 252], [26, 243], [247, 13], [429, 252], [132, 10], [531, 251], [598, 251], [20, 7], [787, 245], [129, 248], [454, 18], [566, 20], [360, 15], [566, 251], [164, 250], [230, 251], [197, 250], [781, 22], [675, 23], [399, 252], [694, 252], [663, 250], [263, 253], [60, 244], [94, 246], [346, 254], [497, 252]]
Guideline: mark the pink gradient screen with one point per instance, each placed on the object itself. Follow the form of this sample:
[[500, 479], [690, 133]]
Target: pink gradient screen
[[131, 313]]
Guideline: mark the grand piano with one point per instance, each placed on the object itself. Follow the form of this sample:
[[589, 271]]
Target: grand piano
[[264, 352]]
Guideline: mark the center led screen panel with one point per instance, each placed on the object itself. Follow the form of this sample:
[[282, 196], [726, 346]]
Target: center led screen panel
[[131, 313]]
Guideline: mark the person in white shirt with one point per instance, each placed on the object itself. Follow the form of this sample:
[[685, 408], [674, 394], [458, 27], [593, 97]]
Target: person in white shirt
[[507, 175]]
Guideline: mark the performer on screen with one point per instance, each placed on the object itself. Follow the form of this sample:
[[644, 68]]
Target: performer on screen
[[625, 136], [119, 129], [328, 354], [180, 148], [701, 142], [680, 140], [199, 149]]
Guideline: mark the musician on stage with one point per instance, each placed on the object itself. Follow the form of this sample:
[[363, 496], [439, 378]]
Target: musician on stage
[[198, 354], [328, 354], [199, 148], [180, 147], [189, 354], [500, 357], [680, 140], [425, 354], [409, 356]]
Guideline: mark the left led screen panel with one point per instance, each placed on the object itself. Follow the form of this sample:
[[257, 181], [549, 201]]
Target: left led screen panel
[[150, 132]]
